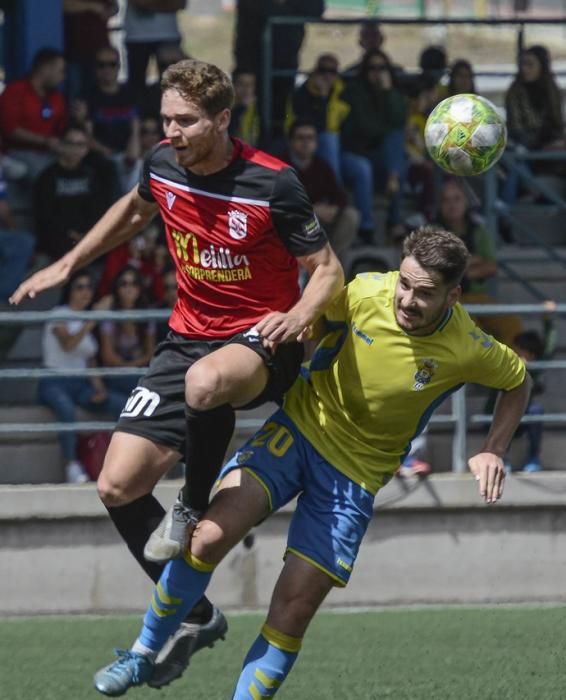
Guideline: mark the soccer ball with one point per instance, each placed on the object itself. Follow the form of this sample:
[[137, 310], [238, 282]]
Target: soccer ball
[[465, 135]]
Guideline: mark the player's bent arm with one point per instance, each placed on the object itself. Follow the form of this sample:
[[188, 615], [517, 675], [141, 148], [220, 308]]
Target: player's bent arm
[[126, 217], [509, 410], [326, 280]]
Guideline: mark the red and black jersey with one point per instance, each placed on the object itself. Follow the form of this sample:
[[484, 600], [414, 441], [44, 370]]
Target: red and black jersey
[[234, 236]]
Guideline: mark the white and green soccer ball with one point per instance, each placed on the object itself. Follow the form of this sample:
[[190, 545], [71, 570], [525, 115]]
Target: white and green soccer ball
[[465, 135]]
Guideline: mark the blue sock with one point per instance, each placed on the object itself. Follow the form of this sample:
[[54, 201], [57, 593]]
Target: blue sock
[[267, 664], [182, 583]]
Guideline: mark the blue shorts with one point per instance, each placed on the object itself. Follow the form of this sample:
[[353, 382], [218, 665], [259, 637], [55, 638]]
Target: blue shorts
[[332, 511]]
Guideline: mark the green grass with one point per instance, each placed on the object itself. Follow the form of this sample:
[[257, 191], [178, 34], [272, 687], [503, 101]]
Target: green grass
[[446, 654]]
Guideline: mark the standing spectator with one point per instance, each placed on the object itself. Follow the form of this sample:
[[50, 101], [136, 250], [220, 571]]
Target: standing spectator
[[149, 24], [33, 113], [86, 31], [319, 99], [458, 218], [72, 345], [112, 117], [251, 17], [150, 104], [370, 38], [375, 129], [462, 78], [244, 121], [329, 200], [126, 343], [69, 196]]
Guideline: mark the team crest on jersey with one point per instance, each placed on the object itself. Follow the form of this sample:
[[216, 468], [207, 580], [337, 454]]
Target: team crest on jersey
[[237, 224], [244, 456], [424, 374], [170, 198]]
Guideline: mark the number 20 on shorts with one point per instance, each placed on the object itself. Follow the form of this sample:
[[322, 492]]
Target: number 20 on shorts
[[275, 437]]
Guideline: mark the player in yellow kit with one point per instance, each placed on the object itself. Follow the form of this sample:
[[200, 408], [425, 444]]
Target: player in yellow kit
[[393, 347]]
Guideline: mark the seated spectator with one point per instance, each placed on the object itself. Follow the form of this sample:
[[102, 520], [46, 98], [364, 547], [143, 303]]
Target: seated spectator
[[319, 100], [150, 134], [85, 24], [168, 302], [148, 25], [33, 113], [330, 202], [69, 196], [462, 78], [244, 122], [375, 130], [16, 247], [126, 343], [72, 345], [111, 115], [421, 93], [456, 216], [535, 117], [150, 104]]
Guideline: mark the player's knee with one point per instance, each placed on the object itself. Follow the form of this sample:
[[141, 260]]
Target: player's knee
[[202, 387], [209, 542], [299, 608], [112, 492]]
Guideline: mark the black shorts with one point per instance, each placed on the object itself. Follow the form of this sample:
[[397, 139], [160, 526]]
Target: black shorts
[[156, 407]]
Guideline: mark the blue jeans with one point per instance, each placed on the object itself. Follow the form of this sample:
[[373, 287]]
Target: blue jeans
[[358, 174], [329, 150], [16, 249], [387, 160], [64, 394]]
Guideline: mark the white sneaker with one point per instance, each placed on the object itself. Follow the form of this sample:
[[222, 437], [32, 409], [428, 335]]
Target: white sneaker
[[75, 473]]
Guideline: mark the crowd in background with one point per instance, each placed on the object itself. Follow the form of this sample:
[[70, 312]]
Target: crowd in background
[[74, 136]]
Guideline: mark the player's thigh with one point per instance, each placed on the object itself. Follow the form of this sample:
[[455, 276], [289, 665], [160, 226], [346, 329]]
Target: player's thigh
[[298, 593], [132, 466], [239, 503], [233, 374]]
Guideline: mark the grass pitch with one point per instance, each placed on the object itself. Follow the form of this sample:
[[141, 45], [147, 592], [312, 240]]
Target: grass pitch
[[444, 654]]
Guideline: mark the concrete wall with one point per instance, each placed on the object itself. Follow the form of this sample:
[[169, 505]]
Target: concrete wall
[[430, 542]]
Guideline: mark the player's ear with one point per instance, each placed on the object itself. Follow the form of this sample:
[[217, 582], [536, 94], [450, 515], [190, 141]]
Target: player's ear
[[454, 295], [223, 120]]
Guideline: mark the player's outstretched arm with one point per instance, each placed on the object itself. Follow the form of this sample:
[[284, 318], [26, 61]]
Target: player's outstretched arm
[[326, 280], [487, 466], [121, 222]]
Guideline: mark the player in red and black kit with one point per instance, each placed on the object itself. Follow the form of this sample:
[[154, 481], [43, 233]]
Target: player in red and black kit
[[238, 225]]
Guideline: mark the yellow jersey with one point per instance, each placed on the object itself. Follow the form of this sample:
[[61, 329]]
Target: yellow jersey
[[370, 388]]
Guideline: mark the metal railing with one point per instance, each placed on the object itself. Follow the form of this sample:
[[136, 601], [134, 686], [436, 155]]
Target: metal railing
[[457, 417]]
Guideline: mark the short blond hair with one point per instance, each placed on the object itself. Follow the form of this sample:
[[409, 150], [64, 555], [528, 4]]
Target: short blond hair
[[200, 82]]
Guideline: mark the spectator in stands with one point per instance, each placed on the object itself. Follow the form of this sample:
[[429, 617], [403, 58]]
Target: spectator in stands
[[126, 343], [533, 103], [72, 345], [86, 31], [112, 118], [457, 217], [150, 104], [168, 302], [148, 25], [251, 17], [462, 78], [69, 196], [421, 93], [330, 201], [245, 122], [319, 100], [375, 129], [16, 247], [370, 38], [33, 113]]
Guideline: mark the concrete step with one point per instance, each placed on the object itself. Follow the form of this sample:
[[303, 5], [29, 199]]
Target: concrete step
[[36, 462]]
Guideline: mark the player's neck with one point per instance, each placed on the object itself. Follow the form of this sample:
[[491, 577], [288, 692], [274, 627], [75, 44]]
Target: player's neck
[[218, 159]]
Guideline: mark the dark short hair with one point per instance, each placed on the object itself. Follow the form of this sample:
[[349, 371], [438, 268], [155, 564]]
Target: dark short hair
[[299, 124], [530, 341], [438, 251], [44, 57], [200, 82]]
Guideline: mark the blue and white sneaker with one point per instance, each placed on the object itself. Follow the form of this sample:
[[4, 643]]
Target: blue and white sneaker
[[174, 658], [130, 669], [533, 466]]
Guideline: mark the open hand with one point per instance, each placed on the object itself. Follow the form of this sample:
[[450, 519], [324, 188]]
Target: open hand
[[489, 470]]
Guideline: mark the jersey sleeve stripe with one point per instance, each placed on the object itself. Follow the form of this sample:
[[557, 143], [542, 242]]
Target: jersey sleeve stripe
[[212, 195]]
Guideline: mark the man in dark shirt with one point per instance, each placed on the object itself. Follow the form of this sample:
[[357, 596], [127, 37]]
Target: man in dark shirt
[[69, 196], [330, 202]]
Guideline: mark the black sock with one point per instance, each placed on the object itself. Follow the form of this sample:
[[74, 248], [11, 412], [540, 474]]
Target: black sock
[[135, 522], [208, 437]]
